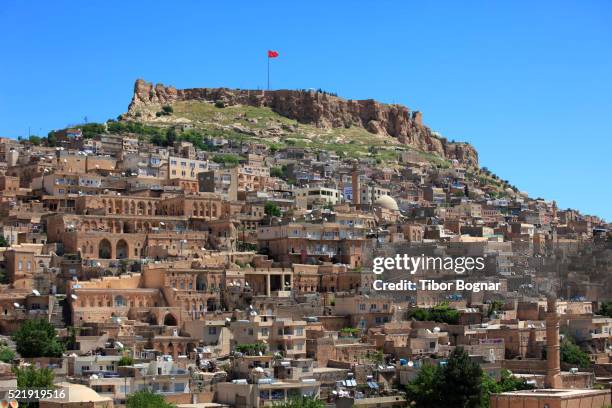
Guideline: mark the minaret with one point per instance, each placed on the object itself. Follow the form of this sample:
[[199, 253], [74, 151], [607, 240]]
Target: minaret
[[356, 187], [553, 349]]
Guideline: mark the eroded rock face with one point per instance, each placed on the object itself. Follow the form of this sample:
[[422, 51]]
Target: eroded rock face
[[316, 108]]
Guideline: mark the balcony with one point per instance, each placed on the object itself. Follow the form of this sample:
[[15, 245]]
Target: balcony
[[599, 335]]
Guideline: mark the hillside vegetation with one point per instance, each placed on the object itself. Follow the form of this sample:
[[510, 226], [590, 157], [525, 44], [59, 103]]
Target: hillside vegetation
[[260, 124]]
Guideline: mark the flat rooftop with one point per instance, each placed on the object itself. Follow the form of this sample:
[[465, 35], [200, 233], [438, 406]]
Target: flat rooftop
[[560, 393]]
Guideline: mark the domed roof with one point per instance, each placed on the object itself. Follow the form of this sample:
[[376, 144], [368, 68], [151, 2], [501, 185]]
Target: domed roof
[[75, 393], [387, 202]]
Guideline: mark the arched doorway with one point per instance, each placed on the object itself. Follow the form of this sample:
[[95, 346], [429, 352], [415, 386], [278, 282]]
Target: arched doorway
[[122, 249], [170, 320], [104, 249]]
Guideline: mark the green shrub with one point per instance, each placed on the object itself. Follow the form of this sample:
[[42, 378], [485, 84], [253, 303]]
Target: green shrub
[[251, 349], [228, 160], [125, 361], [441, 314], [6, 354]]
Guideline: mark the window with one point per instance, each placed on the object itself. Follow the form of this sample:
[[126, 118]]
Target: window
[[362, 306], [212, 331]]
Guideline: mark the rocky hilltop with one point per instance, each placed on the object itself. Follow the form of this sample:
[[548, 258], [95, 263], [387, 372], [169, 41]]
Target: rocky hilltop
[[316, 108]]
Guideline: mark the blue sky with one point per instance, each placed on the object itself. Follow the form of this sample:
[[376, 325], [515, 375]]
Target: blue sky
[[527, 83]]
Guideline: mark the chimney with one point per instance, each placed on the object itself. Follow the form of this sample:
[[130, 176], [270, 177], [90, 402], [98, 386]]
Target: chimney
[[553, 349]]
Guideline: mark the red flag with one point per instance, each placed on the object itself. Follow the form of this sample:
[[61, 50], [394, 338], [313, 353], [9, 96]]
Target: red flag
[[272, 54]]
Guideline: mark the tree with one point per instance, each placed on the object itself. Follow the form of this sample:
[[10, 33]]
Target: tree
[[276, 172], [29, 377], [506, 383], [572, 354], [272, 209], [301, 402], [89, 130], [461, 380], [170, 136], [32, 377], [274, 148], [424, 389], [35, 140], [454, 384], [3, 241], [37, 338], [51, 139], [146, 399], [125, 361], [228, 160]]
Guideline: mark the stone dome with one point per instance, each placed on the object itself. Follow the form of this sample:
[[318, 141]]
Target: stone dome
[[387, 202]]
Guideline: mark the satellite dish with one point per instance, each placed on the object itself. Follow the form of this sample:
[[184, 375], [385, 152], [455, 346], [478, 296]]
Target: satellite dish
[[35, 292], [410, 364], [16, 304], [75, 297]]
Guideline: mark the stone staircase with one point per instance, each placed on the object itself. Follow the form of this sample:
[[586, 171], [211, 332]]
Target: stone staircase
[[57, 315]]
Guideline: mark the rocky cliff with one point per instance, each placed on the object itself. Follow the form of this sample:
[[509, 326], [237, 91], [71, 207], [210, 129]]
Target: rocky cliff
[[317, 108]]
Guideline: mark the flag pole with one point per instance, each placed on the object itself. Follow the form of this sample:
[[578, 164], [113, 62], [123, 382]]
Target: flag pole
[[268, 72]]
